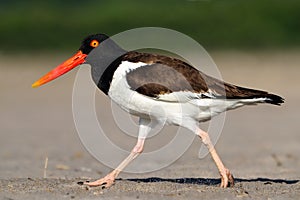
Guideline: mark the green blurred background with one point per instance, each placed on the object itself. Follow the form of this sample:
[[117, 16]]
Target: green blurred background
[[57, 25]]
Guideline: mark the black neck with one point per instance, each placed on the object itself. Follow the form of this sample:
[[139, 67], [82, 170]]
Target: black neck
[[104, 61]]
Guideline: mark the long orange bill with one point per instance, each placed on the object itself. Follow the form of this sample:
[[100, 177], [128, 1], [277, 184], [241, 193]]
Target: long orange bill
[[61, 69]]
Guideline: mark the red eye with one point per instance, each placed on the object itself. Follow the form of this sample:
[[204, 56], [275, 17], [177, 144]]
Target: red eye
[[94, 43]]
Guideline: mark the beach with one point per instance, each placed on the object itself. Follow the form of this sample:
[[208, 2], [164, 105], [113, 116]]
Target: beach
[[259, 144]]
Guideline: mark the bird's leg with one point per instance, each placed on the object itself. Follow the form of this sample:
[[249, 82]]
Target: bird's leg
[[144, 128], [226, 176], [109, 179]]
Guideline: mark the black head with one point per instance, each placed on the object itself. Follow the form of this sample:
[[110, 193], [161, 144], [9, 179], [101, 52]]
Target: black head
[[91, 42]]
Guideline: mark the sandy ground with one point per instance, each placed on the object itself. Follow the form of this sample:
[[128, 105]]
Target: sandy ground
[[260, 144]]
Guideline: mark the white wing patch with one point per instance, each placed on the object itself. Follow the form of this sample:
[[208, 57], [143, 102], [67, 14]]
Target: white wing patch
[[181, 96], [207, 100], [126, 66]]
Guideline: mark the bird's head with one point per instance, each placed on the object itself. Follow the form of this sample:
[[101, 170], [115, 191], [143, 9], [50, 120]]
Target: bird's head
[[88, 44]]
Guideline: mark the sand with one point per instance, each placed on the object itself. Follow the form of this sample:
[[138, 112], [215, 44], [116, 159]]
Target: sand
[[259, 144]]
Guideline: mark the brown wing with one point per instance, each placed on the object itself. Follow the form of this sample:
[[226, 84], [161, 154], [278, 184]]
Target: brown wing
[[164, 75]]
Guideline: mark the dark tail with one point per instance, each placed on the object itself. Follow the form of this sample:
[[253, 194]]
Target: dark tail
[[274, 99], [237, 92], [231, 91], [247, 93]]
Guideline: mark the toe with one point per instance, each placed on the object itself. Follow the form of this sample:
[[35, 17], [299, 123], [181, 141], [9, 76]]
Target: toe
[[224, 182], [104, 182], [94, 183], [230, 179], [226, 179]]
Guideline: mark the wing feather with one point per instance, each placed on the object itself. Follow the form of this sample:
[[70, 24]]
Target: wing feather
[[170, 79]]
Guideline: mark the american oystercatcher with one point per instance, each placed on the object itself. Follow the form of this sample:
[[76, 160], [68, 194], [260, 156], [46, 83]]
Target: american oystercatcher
[[137, 82]]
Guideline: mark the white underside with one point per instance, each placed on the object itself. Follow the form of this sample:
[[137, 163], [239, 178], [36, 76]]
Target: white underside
[[179, 108]]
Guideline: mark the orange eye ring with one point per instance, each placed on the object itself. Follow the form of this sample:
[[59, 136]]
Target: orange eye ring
[[94, 43]]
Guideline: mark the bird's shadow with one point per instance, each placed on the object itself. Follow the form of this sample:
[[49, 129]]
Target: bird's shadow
[[208, 181]]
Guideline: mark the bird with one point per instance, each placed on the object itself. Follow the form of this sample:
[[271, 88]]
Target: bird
[[138, 81]]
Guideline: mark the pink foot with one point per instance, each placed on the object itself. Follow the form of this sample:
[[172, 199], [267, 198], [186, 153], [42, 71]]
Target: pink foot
[[226, 178], [105, 182]]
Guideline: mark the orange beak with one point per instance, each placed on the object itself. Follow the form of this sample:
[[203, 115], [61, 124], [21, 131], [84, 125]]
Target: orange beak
[[61, 69]]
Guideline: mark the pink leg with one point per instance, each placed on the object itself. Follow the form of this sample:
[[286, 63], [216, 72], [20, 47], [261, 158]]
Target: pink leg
[[224, 172], [109, 179]]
